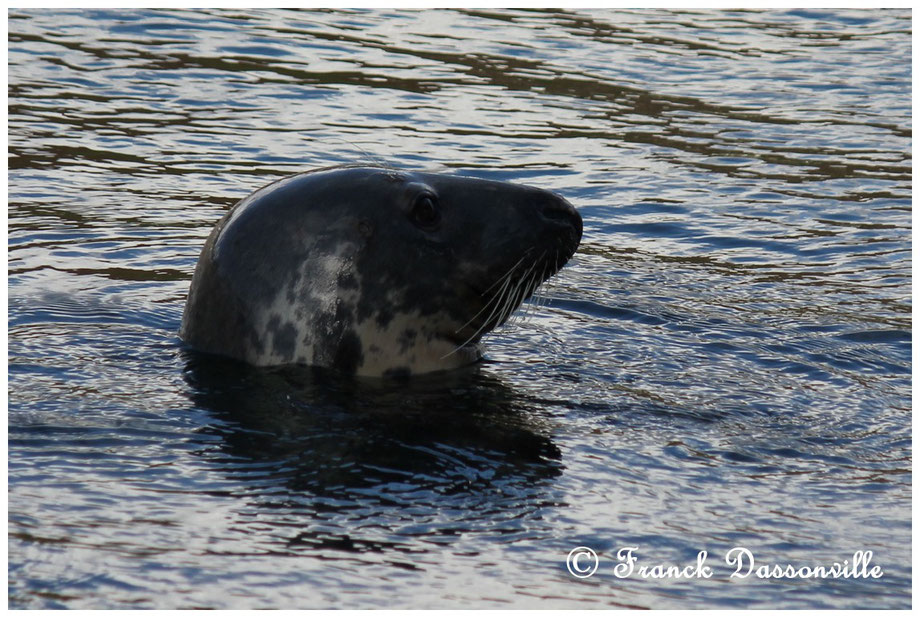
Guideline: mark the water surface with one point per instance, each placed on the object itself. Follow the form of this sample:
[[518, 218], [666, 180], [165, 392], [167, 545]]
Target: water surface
[[725, 362]]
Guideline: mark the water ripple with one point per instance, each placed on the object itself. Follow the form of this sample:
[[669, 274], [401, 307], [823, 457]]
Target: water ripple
[[726, 361]]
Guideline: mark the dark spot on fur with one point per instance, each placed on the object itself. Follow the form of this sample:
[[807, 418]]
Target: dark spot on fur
[[384, 315], [348, 281], [255, 341], [283, 338], [349, 355], [407, 339]]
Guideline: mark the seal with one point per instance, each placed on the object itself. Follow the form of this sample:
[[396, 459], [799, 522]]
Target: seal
[[373, 271]]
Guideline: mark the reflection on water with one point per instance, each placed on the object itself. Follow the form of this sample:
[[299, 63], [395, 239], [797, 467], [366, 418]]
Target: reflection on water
[[438, 426], [725, 362], [435, 454]]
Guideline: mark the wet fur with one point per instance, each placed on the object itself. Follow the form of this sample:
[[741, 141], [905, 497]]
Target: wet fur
[[331, 268]]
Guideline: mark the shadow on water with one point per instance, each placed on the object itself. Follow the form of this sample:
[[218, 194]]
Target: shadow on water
[[318, 445]]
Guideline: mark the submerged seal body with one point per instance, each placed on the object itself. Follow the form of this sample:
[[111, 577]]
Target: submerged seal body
[[373, 271]]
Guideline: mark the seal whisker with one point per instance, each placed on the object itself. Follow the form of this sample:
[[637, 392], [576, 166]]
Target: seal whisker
[[507, 273], [529, 308], [486, 305], [532, 285], [514, 301], [543, 299], [549, 270], [518, 294], [529, 281], [537, 281], [368, 156], [508, 304], [498, 299]]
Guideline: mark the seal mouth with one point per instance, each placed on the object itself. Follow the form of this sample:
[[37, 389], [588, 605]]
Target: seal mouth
[[506, 294]]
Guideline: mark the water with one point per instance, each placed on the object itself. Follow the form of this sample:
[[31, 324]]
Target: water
[[725, 362]]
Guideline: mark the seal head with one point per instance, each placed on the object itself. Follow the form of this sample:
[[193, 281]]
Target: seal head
[[373, 271]]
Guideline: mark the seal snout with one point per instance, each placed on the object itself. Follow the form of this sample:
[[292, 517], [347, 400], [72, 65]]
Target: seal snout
[[559, 214]]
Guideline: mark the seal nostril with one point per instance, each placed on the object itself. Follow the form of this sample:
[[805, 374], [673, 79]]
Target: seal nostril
[[560, 212]]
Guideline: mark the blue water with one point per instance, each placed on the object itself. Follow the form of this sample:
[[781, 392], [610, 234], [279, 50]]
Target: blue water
[[726, 362]]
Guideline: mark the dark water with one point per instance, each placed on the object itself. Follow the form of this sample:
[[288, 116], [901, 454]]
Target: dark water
[[726, 362]]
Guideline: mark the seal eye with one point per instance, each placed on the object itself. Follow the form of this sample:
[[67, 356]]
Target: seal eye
[[425, 211]]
